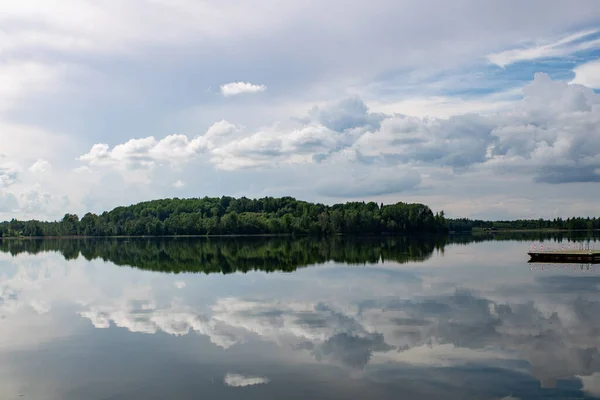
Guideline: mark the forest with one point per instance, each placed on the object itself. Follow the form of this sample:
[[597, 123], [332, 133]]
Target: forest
[[238, 216]]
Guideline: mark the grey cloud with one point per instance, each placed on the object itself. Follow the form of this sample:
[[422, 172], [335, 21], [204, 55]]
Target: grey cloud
[[311, 320], [545, 136], [549, 135], [37, 201], [347, 114], [457, 142], [379, 183], [558, 345], [8, 174], [351, 351], [411, 321], [566, 284], [556, 175], [8, 202]]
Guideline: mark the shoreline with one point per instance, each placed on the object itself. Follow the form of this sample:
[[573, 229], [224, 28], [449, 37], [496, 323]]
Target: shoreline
[[247, 235], [477, 232]]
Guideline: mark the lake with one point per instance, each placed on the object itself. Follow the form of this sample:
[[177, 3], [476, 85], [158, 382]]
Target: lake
[[456, 317]]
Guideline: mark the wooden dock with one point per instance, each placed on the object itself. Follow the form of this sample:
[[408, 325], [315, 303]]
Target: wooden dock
[[565, 256]]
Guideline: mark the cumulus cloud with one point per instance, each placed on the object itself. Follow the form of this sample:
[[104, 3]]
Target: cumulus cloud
[[346, 114], [352, 351], [545, 136], [455, 142], [543, 332], [146, 152], [559, 48], [8, 202], [270, 148], [236, 88], [9, 172], [36, 202], [588, 74], [40, 166], [591, 384], [237, 380], [327, 333], [178, 184], [138, 311], [19, 199], [556, 338]]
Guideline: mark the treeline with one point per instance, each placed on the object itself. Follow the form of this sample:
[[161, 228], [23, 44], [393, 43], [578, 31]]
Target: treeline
[[465, 224], [228, 215], [227, 255]]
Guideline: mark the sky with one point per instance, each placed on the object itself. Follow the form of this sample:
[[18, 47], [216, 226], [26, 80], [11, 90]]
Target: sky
[[481, 109]]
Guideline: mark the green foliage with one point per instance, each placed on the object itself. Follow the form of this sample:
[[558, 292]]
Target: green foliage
[[243, 216]]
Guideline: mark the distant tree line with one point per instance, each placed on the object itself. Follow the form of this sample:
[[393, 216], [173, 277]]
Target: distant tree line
[[228, 215], [464, 224]]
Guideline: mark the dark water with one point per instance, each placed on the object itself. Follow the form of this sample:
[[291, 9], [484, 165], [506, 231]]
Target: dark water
[[410, 318]]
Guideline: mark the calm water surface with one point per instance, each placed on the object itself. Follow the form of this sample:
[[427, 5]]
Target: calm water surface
[[279, 318]]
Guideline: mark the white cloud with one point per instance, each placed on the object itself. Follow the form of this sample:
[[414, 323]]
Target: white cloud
[[560, 48], [178, 184], [29, 293], [241, 42], [35, 202], [8, 202], [179, 284], [270, 148], [9, 172], [80, 30], [588, 74], [591, 384], [235, 88], [220, 129], [448, 106], [147, 152], [21, 79], [545, 135], [40, 166], [84, 169], [237, 380], [138, 311], [23, 144]]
